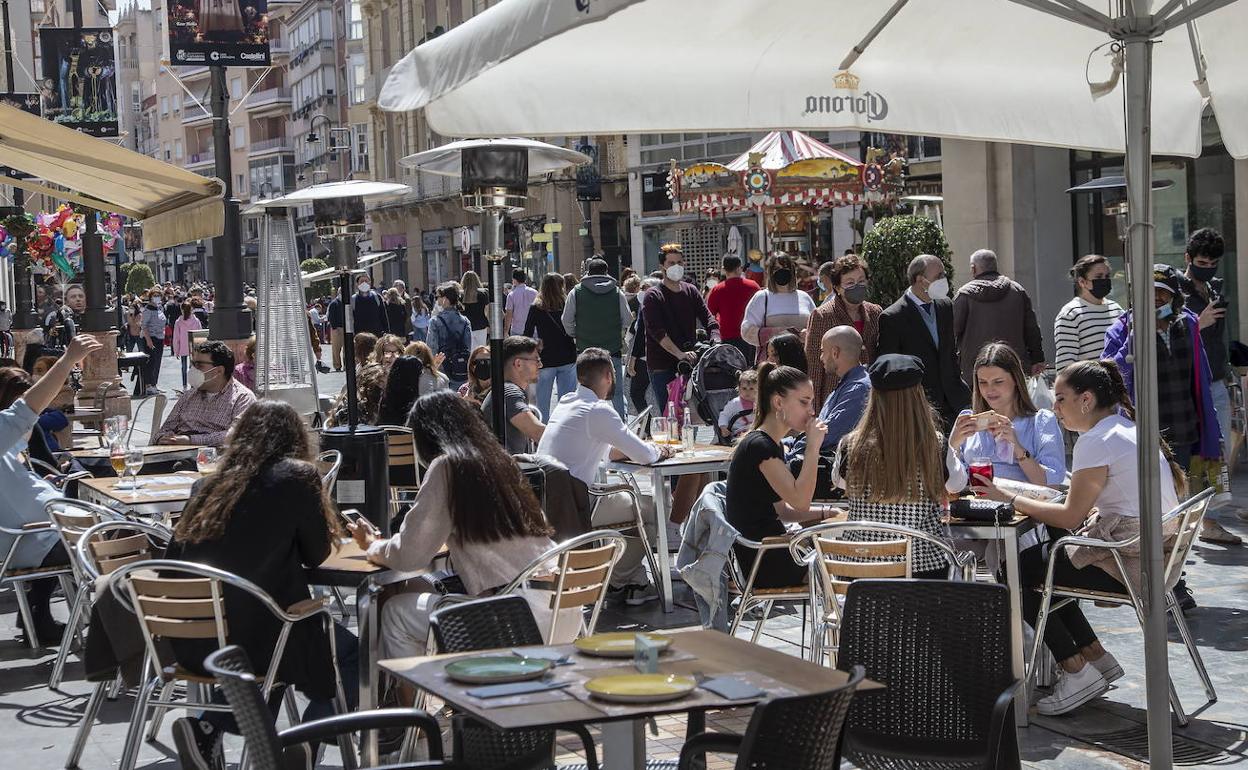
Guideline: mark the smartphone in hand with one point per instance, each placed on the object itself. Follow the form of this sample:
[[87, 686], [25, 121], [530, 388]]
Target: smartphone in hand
[[353, 516]]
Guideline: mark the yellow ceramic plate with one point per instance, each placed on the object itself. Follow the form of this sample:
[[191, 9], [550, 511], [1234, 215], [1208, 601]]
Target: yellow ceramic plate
[[619, 644], [641, 688]]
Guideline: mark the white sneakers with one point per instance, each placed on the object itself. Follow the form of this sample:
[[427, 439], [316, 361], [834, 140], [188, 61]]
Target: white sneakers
[[1109, 668], [1074, 690]]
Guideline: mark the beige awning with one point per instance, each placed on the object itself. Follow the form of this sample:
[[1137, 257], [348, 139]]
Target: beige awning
[[175, 206]]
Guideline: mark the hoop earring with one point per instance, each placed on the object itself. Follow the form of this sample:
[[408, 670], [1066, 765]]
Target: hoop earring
[[1084, 409]]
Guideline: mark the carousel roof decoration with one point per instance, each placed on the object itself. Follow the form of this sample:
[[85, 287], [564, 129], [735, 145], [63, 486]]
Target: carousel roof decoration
[[786, 168]]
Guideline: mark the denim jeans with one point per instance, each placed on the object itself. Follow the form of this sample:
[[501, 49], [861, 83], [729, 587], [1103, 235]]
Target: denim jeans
[[1222, 404], [618, 399], [659, 381], [562, 376]]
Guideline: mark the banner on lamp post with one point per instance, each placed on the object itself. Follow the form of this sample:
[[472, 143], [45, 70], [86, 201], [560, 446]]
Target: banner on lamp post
[[221, 33], [79, 84]]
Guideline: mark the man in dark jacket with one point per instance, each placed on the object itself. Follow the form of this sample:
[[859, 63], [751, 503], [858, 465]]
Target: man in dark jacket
[[992, 308], [920, 324], [336, 322], [596, 315], [370, 314]]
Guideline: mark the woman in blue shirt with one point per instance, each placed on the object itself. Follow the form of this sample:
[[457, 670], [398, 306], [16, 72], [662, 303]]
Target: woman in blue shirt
[[25, 493], [1025, 443]]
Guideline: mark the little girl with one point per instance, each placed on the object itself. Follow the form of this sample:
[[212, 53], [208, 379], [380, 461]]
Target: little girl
[[738, 414]]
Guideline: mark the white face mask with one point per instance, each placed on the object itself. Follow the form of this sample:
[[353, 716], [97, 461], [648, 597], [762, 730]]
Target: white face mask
[[711, 283], [675, 272], [939, 289], [364, 287], [195, 378]]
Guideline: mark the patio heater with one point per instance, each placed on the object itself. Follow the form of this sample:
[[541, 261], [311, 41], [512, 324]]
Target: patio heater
[[494, 182], [1113, 192], [338, 213]]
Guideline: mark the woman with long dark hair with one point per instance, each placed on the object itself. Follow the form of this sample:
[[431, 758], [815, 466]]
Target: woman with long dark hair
[[762, 494], [557, 350], [786, 350], [1091, 399], [478, 385], [264, 516], [474, 500], [402, 390]]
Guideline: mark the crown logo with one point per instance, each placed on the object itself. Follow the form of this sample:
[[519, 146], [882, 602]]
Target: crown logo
[[846, 79]]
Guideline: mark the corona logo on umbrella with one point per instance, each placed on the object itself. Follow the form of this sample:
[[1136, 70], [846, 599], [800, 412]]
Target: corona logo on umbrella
[[786, 169]]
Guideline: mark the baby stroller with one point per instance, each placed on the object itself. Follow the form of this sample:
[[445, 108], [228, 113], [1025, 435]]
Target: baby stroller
[[712, 380]]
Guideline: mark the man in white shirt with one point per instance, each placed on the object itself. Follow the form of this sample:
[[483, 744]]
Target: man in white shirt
[[519, 300], [583, 431]]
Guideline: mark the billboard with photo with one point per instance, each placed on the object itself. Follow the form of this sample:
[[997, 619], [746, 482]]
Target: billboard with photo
[[79, 79], [232, 33]]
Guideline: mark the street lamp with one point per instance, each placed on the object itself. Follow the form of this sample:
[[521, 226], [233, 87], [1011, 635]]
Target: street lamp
[[494, 176]]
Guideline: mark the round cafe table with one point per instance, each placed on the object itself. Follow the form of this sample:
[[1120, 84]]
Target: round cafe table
[[157, 459]]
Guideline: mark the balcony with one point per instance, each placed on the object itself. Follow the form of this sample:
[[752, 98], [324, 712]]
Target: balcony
[[279, 49], [199, 161], [266, 146], [194, 116], [269, 100], [189, 74]]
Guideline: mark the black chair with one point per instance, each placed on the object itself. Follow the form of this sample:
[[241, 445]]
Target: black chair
[[499, 622], [942, 650], [802, 732], [292, 748]]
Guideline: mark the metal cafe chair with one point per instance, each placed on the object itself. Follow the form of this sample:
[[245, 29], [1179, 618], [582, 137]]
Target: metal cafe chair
[[329, 463], [18, 578], [835, 562], [580, 576], [1186, 520]]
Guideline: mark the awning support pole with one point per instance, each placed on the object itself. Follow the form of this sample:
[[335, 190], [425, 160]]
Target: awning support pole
[[1139, 173]]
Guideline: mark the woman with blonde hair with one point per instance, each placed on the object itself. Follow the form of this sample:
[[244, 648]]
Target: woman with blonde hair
[[431, 378], [476, 308], [890, 465]]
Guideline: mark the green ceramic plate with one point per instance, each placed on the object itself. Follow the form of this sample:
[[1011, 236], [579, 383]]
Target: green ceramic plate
[[497, 669]]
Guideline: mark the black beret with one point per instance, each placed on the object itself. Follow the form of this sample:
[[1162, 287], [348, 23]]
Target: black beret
[[894, 371]]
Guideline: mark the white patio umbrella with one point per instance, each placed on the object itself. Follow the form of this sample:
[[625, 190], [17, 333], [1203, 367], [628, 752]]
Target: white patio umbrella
[[1022, 71]]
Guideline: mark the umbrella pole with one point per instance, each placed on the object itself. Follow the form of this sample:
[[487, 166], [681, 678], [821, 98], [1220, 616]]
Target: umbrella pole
[[1139, 173]]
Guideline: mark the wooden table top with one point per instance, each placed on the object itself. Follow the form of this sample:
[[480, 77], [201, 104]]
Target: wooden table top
[[349, 558], [700, 651], [152, 489]]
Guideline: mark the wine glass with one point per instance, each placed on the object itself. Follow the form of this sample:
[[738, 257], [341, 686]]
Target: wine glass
[[660, 429], [134, 463], [206, 459], [117, 457]]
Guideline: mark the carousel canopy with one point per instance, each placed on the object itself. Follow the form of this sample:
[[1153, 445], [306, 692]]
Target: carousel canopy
[[175, 206], [780, 148]]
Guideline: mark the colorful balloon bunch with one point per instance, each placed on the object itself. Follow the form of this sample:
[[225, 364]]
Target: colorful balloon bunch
[[54, 241]]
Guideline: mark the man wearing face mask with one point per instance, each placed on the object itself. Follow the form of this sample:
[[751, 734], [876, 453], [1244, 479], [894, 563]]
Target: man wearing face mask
[[370, 312], [993, 308], [203, 414], [672, 311], [920, 324]]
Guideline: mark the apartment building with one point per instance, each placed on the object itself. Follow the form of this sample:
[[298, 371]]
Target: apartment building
[[435, 237]]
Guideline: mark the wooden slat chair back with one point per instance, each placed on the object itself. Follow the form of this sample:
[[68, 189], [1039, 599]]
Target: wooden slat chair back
[[843, 561]]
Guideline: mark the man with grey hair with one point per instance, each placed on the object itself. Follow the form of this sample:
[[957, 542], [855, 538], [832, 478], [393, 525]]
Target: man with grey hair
[[920, 324], [993, 308]]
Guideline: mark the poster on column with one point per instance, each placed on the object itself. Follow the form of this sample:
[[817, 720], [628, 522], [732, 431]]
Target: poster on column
[[224, 33], [79, 79]]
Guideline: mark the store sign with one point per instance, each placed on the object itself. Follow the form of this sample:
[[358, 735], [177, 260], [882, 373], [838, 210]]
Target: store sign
[[79, 85], [588, 180], [221, 33]]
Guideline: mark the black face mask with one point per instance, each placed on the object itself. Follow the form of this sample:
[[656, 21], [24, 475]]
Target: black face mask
[[481, 368], [1101, 287], [1203, 274], [783, 276]]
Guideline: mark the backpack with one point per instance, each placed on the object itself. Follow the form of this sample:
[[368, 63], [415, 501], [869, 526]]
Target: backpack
[[457, 354], [714, 381]]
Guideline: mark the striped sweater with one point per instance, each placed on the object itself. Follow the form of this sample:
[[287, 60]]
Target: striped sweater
[[1079, 330]]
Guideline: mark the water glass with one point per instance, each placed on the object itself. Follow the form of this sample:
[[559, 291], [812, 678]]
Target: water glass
[[206, 459], [660, 430], [134, 464]]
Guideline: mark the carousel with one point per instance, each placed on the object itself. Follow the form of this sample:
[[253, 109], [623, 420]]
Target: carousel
[[787, 178]]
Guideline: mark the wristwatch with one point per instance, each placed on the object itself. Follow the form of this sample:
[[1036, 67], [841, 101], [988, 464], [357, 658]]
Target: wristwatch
[[1026, 456]]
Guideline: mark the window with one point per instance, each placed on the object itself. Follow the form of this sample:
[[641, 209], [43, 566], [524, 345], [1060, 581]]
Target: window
[[168, 154], [359, 158], [357, 75], [177, 149], [177, 103], [355, 21], [240, 137], [236, 88], [240, 185], [136, 97], [164, 106]]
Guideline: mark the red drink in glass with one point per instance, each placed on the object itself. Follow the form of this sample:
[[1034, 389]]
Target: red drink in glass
[[979, 466]]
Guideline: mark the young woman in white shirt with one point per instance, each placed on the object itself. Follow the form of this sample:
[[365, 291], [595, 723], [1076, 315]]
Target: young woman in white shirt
[[778, 308], [1103, 502]]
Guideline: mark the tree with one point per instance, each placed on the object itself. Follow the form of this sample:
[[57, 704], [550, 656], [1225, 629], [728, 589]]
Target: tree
[[319, 288], [139, 277], [890, 246]]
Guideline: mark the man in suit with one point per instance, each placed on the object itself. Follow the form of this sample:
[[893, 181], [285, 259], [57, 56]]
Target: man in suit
[[920, 324]]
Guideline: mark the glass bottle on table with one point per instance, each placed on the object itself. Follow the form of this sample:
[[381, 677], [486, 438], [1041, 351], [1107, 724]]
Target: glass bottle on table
[[687, 431]]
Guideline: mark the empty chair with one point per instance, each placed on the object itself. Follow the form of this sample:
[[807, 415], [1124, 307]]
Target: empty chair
[[401, 459], [576, 572], [329, 463], [487, 624], [797, 732], [942, 651], [267, 749]]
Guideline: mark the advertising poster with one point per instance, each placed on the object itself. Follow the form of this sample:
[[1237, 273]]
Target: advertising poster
[[79, 84], [233, 33]]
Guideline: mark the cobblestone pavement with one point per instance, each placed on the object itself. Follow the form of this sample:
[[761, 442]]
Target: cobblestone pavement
[[37, 725]]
